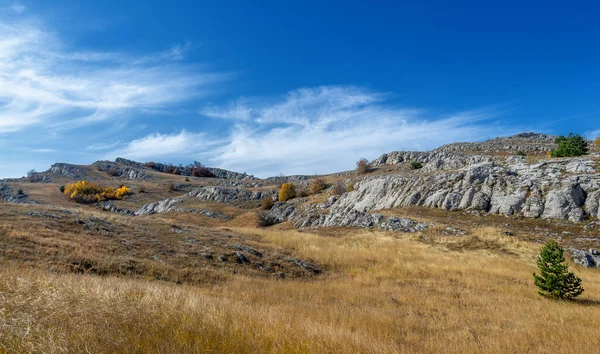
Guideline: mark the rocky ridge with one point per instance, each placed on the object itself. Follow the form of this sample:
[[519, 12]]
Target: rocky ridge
[[567, 189]]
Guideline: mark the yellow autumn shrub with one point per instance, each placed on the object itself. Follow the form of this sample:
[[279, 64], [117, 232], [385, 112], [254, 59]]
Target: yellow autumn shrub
[[287, 192], [87, 192], [597, 141]]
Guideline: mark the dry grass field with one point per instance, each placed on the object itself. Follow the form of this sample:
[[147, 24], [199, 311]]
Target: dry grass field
[[76, 279], [379, 293]]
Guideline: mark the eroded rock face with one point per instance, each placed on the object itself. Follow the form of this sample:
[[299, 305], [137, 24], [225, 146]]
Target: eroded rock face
[[459, 155], [311, 216], [6, 195], [543, 190], [134, 171], [162, 206], [281, 212], [67, 170], [363, 220], [228, 195], [108, 206], [226, 174]]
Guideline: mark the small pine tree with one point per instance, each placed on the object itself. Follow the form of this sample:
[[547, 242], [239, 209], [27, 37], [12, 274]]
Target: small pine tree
[[555, 280], [415, 165]]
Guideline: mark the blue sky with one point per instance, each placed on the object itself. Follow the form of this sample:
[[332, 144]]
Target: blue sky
[[270, 87]]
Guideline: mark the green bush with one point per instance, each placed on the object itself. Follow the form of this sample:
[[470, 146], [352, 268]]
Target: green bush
[[62, 189], [415, 165], [571, 145], [555, 280], [521, 153], [350, 187]]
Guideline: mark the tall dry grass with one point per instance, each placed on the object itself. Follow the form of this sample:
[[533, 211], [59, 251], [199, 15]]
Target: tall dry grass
[[381, 293]]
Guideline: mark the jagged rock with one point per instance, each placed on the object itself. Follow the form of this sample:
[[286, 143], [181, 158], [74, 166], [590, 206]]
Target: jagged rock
[[581, 166], [540, 190], [358, 219], [208, 213], [236, 183], [459, 155], [565, 203], [127, 162], [228, 195], [67, 170], [590, 259], [306, 265], [7, 196], [225, 174], [162, 206], [248, 249], [95, 224], [240, 258], [393, 223], [134, 171], [398, 157], [280, 212], [284, 179], [108, 206]]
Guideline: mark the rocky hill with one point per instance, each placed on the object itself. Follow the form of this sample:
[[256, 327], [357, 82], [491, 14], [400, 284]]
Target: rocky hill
[[480, 179]]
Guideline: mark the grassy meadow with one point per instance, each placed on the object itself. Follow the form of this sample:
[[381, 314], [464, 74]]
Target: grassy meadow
[[379, 293]]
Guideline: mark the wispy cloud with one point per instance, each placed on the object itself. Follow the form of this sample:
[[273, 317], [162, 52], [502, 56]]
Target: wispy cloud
[[160, 146], [18, 8], [35, 150], [591, 135], [102, 146], [43, 81], [318, 130]]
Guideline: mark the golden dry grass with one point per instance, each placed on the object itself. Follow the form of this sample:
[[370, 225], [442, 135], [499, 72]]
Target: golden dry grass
[[381, 293]]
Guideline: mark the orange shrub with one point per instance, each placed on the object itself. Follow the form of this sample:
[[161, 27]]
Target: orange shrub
[[287, 192], [267, 203], [362, 167], [86, 192], [316, 186]]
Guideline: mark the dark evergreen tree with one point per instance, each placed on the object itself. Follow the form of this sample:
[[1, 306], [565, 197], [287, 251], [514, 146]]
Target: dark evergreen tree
[[572, 145], [555, 280]]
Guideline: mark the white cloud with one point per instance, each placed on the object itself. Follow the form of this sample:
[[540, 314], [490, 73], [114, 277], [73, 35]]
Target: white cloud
[[319, 130], [102, 146], [160, 146], [42, 81]]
